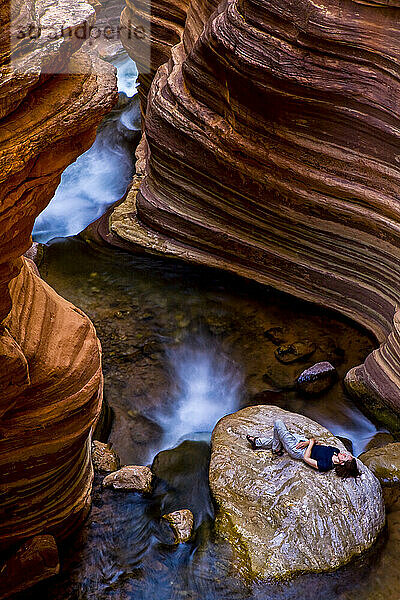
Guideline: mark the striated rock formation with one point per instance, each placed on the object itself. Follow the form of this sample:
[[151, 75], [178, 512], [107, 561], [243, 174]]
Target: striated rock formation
[[50, 358], [273, 151], [50, 399], [35, 561], [281, 516], [148, 32]]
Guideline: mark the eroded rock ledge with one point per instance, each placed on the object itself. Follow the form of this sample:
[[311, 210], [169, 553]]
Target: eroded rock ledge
[[280, 516], [50, 357], [272, 151]]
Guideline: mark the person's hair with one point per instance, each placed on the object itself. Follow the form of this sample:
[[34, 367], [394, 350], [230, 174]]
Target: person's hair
[[347, 469]]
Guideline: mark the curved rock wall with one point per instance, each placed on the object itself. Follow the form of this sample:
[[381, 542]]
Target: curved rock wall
[[273, 151], [50, 358], [148, 32], [46, 473]]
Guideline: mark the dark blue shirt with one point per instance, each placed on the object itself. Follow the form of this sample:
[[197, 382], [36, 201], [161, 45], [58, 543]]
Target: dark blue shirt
[[323, 456]]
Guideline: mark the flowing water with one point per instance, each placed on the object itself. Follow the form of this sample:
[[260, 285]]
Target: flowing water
[[100, 176], [183, 346]]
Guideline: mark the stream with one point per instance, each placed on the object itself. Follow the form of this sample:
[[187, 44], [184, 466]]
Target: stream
[[100, 176], [183, 346]]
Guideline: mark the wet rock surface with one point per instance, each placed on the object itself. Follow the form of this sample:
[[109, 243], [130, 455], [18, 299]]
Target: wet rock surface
[[35, 561], [380, 440], [104, 458], [281, 516], [181, 480], [295, 352], [181, 522], [384, 462], [131, 478], [317, 379]]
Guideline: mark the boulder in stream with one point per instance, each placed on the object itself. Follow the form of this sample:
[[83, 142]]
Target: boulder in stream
[[318, 378], [385, 464], [131, 478], [289, 353], [280, 516], [181, 522], [104, 459]]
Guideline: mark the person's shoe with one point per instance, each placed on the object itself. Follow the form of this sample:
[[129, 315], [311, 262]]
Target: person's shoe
[[252, 441], [277, 452]]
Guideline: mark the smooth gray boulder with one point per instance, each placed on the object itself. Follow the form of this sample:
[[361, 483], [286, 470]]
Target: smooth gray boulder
[[281, 516]]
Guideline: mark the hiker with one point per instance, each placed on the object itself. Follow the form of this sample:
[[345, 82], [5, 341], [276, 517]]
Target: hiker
[[320, 457]]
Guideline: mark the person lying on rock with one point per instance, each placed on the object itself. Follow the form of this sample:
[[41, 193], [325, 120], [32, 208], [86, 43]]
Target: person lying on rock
[[318, 456]]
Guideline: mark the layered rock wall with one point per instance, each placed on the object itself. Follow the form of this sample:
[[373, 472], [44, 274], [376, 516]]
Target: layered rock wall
[[273, 151], [50, 358]]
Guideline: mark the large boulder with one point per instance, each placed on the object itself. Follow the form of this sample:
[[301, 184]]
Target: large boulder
[[281, 516], [385, 465]]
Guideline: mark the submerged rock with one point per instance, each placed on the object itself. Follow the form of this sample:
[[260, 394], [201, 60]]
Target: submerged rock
[[385, 465], [280, 516], [35, 561], [293, 352], [130, 478], [104, 458], [276, 335], [317, 378], [181, 479], [181, 522]]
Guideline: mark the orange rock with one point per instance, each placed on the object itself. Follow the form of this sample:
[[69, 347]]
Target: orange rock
[[272, 151], [45, 467], [35, 561], [50, 357]]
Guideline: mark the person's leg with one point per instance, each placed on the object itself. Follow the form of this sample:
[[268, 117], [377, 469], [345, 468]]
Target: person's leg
[[260, 443], [283, 437]]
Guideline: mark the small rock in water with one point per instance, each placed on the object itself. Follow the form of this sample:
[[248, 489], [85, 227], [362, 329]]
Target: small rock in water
[[131, 479], [104, 458], [297, 351], [181, 522], [317, 378], [35, 561], [276, 335]]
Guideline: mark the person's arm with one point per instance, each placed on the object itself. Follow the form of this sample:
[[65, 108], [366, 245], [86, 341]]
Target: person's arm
[[307, 455]]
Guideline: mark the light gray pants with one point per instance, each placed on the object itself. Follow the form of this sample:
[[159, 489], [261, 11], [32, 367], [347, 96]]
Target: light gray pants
[[282, 438]]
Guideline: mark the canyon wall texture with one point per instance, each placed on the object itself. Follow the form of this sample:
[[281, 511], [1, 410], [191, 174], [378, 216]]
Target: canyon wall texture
[[50, 357], [271, 149]]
